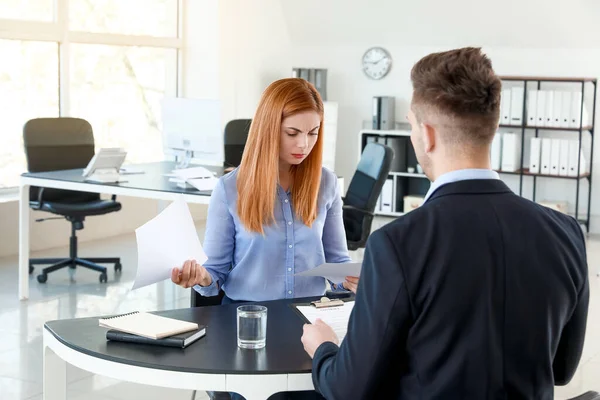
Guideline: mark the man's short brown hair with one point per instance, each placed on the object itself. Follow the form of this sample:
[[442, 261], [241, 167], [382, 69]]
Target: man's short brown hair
[[460, 90]]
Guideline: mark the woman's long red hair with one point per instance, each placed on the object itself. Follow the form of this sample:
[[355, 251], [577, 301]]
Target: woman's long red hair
[[258, 173]]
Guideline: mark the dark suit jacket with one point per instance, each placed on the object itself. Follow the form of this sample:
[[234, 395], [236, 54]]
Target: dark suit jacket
[[477, 294]]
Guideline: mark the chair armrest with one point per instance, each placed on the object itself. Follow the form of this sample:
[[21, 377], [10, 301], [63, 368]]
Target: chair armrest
[[360, 210]]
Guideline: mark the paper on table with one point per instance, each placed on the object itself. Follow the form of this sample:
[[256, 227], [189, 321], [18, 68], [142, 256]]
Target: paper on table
[[194, 172], [336, 317], [203, 184], [165, 242], [334, 272]]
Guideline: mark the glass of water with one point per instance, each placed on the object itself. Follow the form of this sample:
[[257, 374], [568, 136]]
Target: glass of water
[[251, 326]]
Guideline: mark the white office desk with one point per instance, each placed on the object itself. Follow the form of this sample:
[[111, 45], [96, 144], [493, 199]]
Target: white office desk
[[152, 184]]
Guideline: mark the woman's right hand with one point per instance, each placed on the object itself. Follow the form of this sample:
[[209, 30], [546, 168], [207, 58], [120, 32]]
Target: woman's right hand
[[190, 274]]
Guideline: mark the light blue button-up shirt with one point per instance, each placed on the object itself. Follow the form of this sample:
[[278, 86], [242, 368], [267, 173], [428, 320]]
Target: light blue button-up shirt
[[460, 175], [250, 266]]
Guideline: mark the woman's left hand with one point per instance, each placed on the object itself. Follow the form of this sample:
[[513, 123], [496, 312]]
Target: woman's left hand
[[351, 283]]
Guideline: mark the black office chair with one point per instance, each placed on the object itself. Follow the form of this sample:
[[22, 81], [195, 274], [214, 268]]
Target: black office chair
[[363, 192], [197, 300], [235, 136], [53, 144]]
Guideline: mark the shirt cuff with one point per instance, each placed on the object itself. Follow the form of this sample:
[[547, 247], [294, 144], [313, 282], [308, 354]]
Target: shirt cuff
[[208, 291]]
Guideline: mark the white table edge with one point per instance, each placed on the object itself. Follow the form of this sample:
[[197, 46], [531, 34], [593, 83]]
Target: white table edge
[[251, 386]]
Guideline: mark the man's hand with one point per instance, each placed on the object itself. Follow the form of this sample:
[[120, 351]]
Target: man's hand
[[191, 274], [316, 334], [351, 283]]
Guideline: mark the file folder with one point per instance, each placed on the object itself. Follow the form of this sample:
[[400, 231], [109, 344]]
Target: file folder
[[554, 156], [557, 109], [563, 169], [545, 156], [565, 110], [549, 111], [511, 154], [505, 107], [387, 196], [573, 151], [541, 108], [575, 110], [535, 151], [496, 152], [516, 106], [532, 97]]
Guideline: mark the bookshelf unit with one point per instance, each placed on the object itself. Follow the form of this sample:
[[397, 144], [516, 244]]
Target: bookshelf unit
[[404, 183], [582, 87]]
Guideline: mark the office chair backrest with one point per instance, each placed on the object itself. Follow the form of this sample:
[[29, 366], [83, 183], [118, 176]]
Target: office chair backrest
[[53, 144], [371, 173], [235, 136], [363, 192]]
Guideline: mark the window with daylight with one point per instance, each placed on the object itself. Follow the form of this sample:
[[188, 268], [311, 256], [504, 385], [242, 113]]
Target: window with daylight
[[107, 61]]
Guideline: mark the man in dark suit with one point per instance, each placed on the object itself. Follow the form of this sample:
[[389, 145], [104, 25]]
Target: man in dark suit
[[477, 294]]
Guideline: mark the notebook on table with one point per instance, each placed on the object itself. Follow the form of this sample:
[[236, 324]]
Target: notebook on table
[[148, 325], [181, 340]]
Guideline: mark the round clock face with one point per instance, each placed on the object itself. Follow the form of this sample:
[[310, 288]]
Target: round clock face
[[376, 62]]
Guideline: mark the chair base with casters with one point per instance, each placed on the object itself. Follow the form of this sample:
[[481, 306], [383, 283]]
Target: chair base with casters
[[73, 260]]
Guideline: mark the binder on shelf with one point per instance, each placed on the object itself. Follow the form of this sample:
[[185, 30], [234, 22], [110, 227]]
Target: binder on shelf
[[398, 145], [563, 163], [496, 152], [557, 109], [511, 154], [516, 105], [549, 111], [532, 96], [505, 107], [387, 196], [554, 156], [576, 106], [565, 109], [541, 108], [545, 156], [535, 151], [573, 159]]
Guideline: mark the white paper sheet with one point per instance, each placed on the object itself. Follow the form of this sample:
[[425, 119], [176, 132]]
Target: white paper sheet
[[336, 317], [203, 184], [194, 172], [334, 272], [165, 242]]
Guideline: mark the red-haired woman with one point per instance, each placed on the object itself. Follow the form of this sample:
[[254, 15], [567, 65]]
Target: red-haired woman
[[279, 212]]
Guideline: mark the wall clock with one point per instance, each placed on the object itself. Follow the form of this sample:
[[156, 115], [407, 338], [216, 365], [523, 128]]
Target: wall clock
[[376, 62]]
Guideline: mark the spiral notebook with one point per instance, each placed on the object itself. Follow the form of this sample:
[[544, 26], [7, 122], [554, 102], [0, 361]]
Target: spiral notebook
[[148, 325]]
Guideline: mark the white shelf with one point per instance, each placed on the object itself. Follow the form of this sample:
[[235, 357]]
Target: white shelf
[[385, 214], [408, 174], [384, 133]]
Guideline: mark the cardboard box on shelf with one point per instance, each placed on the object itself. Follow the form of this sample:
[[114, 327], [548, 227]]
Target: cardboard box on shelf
[[412, 202], [561, 206]]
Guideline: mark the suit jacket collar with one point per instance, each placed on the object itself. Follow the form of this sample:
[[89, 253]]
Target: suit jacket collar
[[471, 186]]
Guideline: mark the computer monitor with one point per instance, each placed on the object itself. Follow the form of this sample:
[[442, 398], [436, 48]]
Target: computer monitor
[[191, 129]]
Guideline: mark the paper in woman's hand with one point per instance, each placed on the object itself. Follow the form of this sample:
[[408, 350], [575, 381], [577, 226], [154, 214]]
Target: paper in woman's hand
[[334, 272], [165, 242]]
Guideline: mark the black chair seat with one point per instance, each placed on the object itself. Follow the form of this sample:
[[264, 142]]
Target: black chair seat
[[96, 207]]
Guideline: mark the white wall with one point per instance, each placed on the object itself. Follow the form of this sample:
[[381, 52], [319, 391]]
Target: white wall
[[273, 37], [353, 90]]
